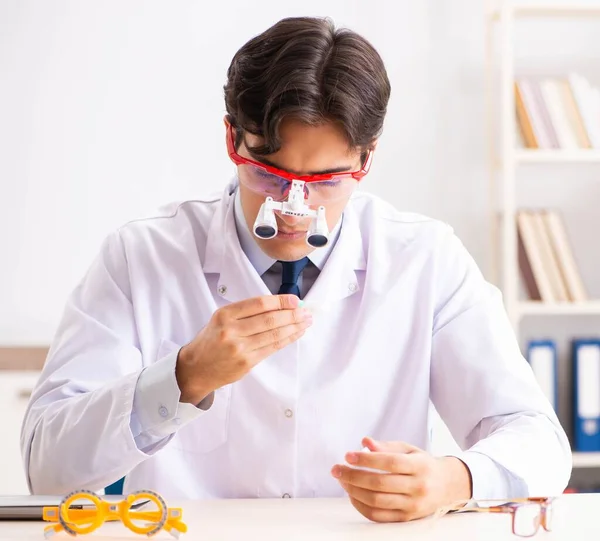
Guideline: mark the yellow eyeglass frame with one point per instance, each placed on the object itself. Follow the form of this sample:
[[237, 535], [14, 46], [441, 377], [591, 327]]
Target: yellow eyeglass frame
[[76, 521]]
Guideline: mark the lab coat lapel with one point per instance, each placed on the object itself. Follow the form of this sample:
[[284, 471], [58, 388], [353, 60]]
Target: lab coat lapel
[[238, 279], [339, 279]]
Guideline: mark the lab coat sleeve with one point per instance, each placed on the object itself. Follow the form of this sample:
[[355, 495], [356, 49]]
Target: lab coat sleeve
[[157, 412], [77, 430], [485, 390]]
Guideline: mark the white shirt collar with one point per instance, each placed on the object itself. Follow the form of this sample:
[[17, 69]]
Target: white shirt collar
[[261, 261]]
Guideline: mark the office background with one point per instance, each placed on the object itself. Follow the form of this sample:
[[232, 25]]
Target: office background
[[109, 109]]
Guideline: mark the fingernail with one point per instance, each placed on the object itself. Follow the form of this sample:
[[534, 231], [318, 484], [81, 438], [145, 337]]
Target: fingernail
[[336, 472], [300, 304], [352, 458]]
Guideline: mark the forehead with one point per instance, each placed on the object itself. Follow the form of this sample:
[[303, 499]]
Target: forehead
[[305, 148]]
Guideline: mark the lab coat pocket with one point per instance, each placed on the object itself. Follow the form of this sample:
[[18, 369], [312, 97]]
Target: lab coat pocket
[[208, 431]]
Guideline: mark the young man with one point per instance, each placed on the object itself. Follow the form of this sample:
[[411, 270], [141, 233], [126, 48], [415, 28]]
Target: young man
[[185, 362]]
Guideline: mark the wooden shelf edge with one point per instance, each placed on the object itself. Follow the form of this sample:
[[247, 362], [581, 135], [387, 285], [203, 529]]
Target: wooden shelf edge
[[22, 358], [557, 156], [586, 460], [549, 10], [559, 308]]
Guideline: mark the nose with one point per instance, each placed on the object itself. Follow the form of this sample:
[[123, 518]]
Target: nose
[[291, 220]]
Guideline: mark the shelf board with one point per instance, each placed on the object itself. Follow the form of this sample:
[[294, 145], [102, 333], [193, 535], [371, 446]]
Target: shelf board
[[559, 308], [558, 156], [552, 10], [586, 460]]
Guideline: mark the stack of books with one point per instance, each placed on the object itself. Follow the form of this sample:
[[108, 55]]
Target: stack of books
[[546, 259], [558, 113]]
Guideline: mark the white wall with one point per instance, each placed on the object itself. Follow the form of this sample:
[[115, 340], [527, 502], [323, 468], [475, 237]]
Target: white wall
[[109, 108]]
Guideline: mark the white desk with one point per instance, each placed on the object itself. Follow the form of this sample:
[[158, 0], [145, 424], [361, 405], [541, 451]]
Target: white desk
[[333, 520]]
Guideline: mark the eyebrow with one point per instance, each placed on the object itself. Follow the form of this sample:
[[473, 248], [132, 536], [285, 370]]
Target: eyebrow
[[340, 169]]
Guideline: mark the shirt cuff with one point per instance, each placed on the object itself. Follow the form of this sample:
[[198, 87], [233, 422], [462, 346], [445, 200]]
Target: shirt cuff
[[157, 411], [489, 480]]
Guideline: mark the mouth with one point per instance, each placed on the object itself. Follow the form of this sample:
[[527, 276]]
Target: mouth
[[291, 235]]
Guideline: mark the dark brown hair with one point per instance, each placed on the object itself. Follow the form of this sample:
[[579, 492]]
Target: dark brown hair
[[307, 69]]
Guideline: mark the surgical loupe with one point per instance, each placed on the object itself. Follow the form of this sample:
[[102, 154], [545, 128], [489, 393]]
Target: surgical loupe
[[265, 225]]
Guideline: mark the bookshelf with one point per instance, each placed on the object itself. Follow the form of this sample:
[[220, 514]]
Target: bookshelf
[[586, 460], [506, 157], [503, 266]]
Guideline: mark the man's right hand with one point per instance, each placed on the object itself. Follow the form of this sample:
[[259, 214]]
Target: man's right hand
[[237, 337]]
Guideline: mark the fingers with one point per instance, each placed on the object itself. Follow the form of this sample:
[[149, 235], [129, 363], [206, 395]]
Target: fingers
[[265, 351], [389, 446], [377, 482], [378, 514], [379, 500], [271, 321], [260, 305], [401, 463], [275, 337]]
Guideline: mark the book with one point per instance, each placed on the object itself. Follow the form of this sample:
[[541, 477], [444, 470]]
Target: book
[[564, 255], [574, 115], [588, 106], [535, 273], [549, 259], [553, 96], [546, 259], [524, 119], [557, 112]]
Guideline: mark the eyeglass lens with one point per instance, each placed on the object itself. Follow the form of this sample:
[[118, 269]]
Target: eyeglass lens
[[270, 185], [81, 516], [149, 517], [548, 512], [526, 519]]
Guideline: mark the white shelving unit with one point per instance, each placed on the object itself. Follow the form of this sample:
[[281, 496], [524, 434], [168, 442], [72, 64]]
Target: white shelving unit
[[506, 162], [591, 308], [503, 15], [586, 460], [557, 156], [549, 10]]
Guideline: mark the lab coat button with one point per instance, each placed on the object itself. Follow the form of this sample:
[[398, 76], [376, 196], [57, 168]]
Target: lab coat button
[[163, 412], [289, 413], [222, 290], [352, 287]]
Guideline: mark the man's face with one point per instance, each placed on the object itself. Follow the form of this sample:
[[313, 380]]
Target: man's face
[[305, 150]]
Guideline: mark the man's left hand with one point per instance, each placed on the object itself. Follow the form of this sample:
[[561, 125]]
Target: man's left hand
[[414, 484]]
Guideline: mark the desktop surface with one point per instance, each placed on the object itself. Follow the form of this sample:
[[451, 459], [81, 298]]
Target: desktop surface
[[576, 518]]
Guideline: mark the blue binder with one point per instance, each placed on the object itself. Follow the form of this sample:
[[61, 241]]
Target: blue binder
[[116, 487], [541, 355], [586, 382]]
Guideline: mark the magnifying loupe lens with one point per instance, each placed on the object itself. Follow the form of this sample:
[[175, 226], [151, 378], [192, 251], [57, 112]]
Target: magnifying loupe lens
[[265, 231]]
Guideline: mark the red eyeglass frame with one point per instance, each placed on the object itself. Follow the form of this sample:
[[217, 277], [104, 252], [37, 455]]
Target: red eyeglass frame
[[240, 160]]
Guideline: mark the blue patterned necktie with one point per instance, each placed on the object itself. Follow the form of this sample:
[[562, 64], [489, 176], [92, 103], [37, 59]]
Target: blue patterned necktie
[[290, 274]]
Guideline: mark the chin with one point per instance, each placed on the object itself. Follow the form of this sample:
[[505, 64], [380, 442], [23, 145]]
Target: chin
[[285, 250]]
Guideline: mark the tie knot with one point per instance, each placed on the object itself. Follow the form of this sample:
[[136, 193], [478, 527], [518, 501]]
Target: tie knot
[[292, 270]]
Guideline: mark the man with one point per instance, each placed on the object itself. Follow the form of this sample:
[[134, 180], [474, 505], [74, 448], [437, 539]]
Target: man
[[186, 363]]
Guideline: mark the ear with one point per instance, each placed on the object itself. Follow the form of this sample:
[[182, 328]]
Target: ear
[[228, 132], [228, 128]]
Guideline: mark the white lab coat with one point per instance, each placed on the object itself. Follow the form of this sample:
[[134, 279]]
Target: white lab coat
[[408, 318]]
